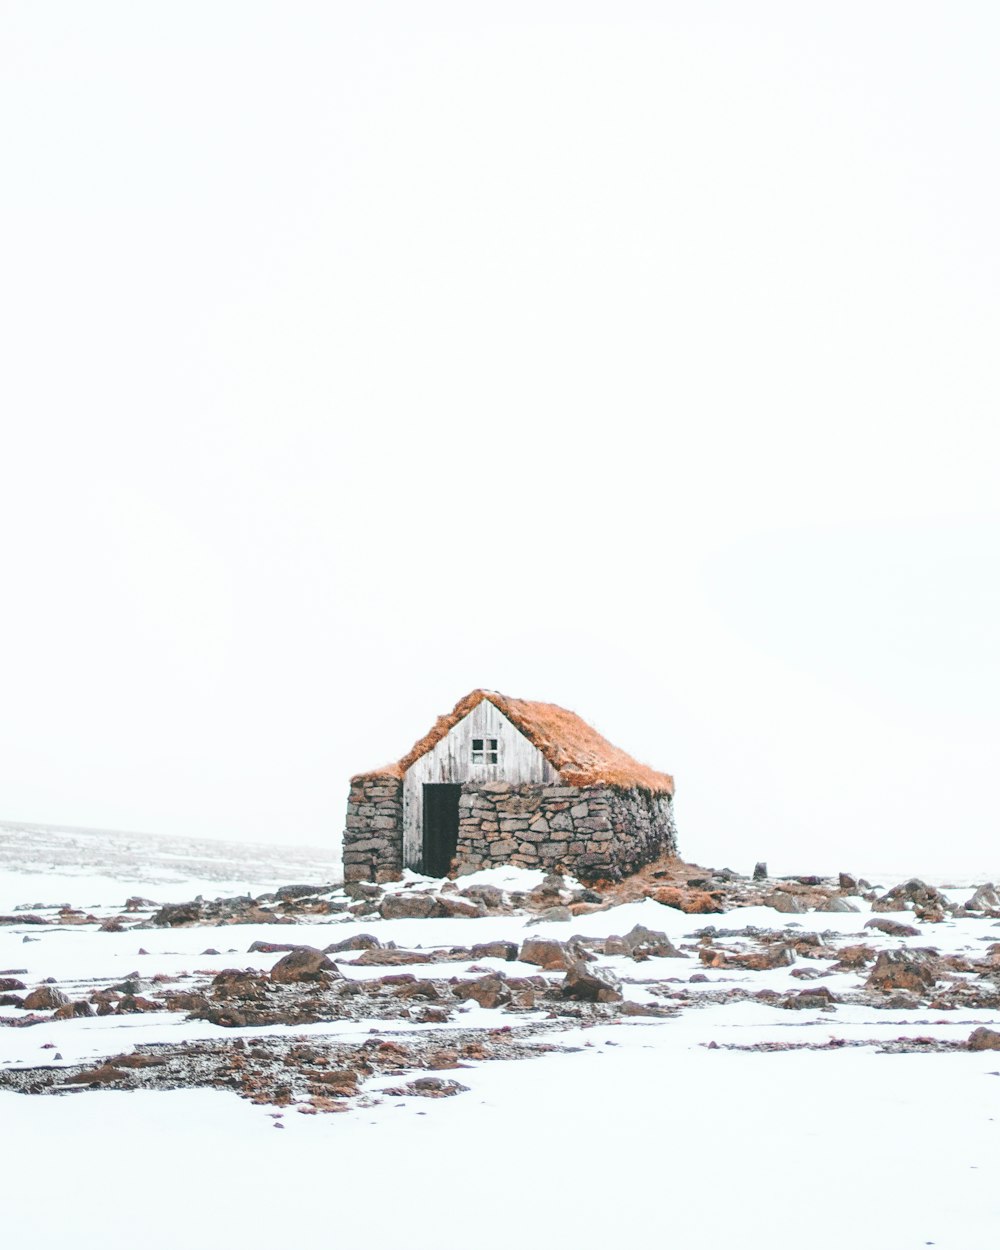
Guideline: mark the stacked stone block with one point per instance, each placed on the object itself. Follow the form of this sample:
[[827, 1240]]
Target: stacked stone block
[[373, 839], [593, 832]]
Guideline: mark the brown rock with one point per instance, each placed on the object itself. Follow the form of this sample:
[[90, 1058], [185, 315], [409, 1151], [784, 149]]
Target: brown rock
[[45, 998], [407, 906], [391, 957], [983, 1039], [815, 996], [545, 953], [900, 970], [69, 1010], [854, 957], [894, 928], [455, 905], [692, 902], [305, 964], [488, 991], [585, 985], [495, 950]]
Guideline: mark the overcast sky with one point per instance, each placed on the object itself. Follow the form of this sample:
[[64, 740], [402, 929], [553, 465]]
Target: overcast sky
[[640, 358]]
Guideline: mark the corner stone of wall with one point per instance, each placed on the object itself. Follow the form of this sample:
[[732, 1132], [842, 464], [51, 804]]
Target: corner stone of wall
[[373, 838], [593, 832]]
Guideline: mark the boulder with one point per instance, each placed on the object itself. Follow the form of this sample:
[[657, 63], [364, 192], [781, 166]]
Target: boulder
[[691, 902], [856, 956], [836, 903], [914, 893], [358, 890], [760, 871], [788, 904], [815, 997], [495, 950], [552, 913], [287, 892], [488, 991], [901, 970], [643, 943], [455, 905], [848, 883], [583, 984], [245, 983], [172, 915], [305, 964], [11, 983], [360, 942], [270, 948], [984, 899], [70, 1010], [45, 998], [391, 957], [490, 896], [545, 953], [407, 906], [983, 1039], [893, 928]]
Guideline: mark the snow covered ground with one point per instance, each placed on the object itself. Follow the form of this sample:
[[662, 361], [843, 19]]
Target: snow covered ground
[[92, 866], [638, 1133]]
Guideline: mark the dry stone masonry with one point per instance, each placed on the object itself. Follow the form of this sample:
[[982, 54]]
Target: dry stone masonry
[[373, 839], [596, 833], [506, 781], [592, 832]]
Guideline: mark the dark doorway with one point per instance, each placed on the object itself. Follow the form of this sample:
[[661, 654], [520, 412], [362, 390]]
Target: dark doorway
[[440, 828]]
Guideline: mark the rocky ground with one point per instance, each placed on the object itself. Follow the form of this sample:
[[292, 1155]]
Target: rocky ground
[[266, 1017]]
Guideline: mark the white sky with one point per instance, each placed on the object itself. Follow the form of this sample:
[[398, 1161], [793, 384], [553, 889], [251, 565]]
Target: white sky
[[637, 357]]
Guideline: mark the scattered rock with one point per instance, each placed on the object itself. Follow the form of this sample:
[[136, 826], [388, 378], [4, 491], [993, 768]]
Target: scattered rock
[[585, 985], [901, 970], [173, 915], [45, 998], [455, 905], [545, 953], [836, 904], [851, 957], [984, 1039], [407, 906], [924, 899], [691, 902], [488, 991], [490, 896], [815, 997], [893, 928], [69, 1011], [495, 950], [552, 914], [789, 904], [304, 964], [360, 942], [985, 898]]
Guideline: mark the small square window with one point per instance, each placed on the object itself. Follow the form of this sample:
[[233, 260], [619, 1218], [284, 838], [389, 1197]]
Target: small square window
[[485, 750]]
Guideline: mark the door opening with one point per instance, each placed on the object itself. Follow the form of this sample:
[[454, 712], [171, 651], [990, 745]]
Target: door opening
[[440, 828]]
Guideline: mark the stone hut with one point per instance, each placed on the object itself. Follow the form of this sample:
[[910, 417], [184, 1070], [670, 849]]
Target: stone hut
[[505, 781]]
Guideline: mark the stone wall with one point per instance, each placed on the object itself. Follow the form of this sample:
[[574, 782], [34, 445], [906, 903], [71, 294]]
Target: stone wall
[[373, 839], [593, 832]]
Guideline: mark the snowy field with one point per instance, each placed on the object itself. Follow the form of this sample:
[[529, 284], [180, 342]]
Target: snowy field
[[638, 1132]]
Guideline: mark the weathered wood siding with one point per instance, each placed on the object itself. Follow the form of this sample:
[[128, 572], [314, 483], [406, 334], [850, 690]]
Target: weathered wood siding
[[450, 761]]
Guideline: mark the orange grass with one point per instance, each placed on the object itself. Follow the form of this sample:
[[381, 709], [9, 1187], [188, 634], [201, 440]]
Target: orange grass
[[579, 753]]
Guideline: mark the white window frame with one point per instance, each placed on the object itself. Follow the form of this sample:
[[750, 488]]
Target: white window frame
[[487, 752]]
